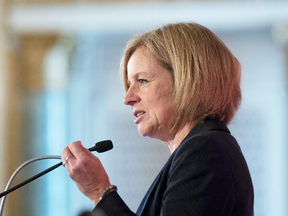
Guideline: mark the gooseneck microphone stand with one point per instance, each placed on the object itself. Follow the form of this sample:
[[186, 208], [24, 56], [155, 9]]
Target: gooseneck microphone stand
[[99, 147], [7, 190]]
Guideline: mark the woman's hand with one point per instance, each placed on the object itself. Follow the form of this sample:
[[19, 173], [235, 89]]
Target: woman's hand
[[85, 170]]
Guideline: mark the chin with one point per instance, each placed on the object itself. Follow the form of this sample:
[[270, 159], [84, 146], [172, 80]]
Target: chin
[[145, 132]]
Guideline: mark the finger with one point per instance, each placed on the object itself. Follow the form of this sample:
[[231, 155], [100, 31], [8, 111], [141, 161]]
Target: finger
[[89, 153], [79, 151], [83, 158], [65, 154], [66, 161]]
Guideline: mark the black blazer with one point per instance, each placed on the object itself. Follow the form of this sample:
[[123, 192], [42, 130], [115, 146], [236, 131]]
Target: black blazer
[[206, 175]]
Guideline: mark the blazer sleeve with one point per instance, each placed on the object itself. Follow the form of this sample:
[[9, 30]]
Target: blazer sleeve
[[199, 181], [112, 205]]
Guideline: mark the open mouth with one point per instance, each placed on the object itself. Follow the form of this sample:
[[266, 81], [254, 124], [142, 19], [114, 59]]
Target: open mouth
[[140, 113]]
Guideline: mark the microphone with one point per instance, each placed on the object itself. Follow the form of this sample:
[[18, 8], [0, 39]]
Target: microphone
[[100, 147]]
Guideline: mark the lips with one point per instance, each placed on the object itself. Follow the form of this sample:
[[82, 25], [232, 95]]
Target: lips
[[138, 114]]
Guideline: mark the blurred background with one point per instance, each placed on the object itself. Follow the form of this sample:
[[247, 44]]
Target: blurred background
[[60, 82]]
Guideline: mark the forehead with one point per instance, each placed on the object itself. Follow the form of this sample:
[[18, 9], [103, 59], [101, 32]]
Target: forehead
[[142, 66], [141, 61]]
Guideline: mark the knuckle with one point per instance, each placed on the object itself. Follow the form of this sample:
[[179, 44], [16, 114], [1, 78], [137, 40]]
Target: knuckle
[[83, 161]]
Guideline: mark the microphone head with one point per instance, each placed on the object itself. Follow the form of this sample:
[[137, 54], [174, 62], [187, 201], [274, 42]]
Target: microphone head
[[102, 146]]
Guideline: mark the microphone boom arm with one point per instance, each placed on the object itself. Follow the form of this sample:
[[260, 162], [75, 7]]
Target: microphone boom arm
[[7, 190]]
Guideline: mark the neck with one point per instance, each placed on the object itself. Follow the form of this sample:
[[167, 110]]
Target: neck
[[178, 136]]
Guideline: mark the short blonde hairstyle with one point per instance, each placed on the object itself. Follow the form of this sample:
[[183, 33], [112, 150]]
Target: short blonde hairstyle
[[206, 75]]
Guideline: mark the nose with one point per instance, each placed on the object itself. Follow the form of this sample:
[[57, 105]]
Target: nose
[[131, 97]]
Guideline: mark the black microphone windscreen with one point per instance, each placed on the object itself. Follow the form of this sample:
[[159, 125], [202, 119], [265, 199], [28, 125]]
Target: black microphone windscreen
[[103, 146]]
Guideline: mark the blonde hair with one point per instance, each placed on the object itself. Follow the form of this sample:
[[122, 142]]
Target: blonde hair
[[205, 73]]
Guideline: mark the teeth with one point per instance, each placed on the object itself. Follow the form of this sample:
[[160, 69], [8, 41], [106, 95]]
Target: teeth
[[140, 113]]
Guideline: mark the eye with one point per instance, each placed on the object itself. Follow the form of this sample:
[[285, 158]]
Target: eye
[[142, 81]]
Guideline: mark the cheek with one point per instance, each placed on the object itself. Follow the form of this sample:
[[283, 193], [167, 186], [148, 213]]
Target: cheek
[[165, 107], [163, 102]]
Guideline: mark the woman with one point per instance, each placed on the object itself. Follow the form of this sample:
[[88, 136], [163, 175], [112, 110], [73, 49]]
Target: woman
[[183, 85]]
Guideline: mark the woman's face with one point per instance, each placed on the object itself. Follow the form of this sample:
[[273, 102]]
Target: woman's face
[[150, 95]]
